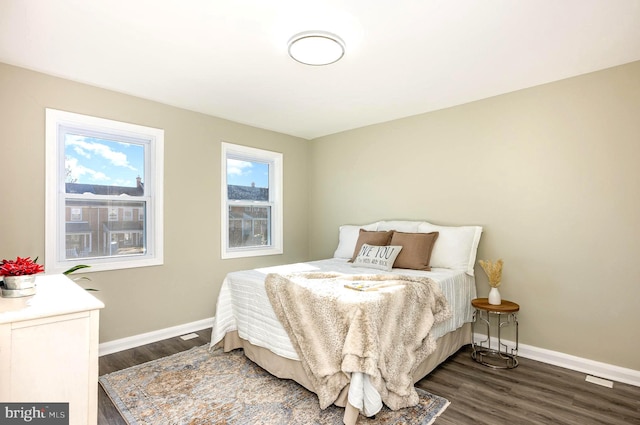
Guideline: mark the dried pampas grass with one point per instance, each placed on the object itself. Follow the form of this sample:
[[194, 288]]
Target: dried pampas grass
[[493, 271]]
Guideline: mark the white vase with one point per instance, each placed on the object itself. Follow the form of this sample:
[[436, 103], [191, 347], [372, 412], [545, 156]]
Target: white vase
[[494, 297], [20, 282]]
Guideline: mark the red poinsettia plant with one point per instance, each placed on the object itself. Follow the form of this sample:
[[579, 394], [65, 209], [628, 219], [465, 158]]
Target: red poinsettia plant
[[20, 267]]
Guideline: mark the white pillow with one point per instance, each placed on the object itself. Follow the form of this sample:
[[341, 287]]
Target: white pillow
[[377, 257], [455, 247], [348, 238], [399, 226]]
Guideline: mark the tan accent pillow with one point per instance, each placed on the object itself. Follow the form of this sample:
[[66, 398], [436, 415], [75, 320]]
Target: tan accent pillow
[[416, 249], [371, 237]]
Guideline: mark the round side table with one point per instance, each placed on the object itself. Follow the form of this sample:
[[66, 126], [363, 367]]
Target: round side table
[[502, 356]]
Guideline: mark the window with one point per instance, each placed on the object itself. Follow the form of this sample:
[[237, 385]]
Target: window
[[113, 214], [251, 202], [76, 214], [103, 193], [127, 214]]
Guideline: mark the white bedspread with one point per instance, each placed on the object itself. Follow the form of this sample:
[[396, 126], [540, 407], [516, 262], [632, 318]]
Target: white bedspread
[[243, 304]]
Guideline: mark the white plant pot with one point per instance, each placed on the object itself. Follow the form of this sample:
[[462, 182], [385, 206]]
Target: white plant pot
[[494, 297], [19, 282]]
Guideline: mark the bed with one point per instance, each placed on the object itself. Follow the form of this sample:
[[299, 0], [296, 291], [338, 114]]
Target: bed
[[246, 308]]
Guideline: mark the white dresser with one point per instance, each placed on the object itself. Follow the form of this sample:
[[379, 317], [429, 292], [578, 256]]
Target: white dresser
[[49, 347]]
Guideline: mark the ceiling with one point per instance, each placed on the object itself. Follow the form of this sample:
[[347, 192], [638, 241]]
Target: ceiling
[[403, 57]]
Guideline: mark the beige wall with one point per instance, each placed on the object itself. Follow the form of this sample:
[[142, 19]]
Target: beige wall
[[185, 288], [550, 172], [553, 175]]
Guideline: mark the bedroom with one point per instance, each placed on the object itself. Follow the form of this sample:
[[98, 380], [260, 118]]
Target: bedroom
[[550, 172]]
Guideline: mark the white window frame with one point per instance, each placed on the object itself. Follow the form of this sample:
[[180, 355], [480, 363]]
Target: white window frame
[[55, 256], [275, 161]]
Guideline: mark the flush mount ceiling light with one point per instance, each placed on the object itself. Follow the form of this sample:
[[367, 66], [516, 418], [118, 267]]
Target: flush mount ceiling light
[[316, 48]]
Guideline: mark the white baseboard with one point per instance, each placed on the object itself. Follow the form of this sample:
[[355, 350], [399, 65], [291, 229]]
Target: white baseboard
[[579, 364], [149, 337], [567, 361]]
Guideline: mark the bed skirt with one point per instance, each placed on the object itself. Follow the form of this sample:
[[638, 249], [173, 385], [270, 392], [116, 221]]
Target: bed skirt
[[284, 368]]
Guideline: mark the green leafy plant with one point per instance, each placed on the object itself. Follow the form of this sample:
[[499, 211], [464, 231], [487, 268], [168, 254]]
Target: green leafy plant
[[77, 278], [75, 269]]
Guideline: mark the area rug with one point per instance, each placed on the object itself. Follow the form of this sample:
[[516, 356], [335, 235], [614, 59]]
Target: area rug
[[202, 387]]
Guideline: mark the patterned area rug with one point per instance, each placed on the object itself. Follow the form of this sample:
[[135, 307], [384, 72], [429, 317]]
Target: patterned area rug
[[202, 387]]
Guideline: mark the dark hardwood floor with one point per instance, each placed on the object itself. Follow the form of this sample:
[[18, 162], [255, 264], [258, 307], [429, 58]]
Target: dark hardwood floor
[[532, 393]]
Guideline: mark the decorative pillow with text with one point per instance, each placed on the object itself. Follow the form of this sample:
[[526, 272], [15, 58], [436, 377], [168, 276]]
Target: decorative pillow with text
[[377, 257]]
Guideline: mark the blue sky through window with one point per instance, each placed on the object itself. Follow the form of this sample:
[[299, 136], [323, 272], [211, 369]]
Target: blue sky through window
[[243, 173], [91, 160]]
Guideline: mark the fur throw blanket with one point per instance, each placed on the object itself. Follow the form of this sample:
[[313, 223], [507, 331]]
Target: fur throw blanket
[[336, 331]]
